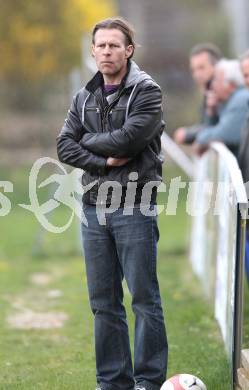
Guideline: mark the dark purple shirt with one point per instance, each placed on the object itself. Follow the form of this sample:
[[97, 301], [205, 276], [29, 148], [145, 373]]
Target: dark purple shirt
[[109, 88]]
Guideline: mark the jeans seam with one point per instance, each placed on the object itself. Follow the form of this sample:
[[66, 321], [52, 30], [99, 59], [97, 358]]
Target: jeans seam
[[117, 319], [154, 290]]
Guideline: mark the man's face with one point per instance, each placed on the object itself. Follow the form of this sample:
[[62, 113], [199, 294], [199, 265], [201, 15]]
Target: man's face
[[110, 51], [245, 70], [202, 69], [221, 88]]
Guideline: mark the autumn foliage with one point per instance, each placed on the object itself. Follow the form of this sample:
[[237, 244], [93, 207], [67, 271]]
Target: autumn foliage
[[39, 39]]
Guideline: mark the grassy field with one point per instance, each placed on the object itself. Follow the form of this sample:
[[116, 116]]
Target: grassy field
[[55, 282]]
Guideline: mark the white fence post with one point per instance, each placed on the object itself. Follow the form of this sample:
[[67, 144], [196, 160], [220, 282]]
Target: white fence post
[[218, 244]]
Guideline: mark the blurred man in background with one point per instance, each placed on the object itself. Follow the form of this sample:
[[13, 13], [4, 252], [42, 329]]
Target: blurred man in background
[[230, 103], [244, 145], [203, 58], [244, 151]]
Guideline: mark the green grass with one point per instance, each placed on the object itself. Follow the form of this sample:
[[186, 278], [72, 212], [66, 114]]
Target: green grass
[[64, 358]]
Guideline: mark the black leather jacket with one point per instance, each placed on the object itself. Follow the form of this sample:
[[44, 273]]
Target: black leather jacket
[[130, 126]]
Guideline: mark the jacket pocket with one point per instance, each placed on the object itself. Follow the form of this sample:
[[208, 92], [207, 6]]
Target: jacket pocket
[[150, 165], [159, 159], [92, 118], [117, 117]]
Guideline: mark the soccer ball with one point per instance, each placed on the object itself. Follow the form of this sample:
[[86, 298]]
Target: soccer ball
[[183, 382]]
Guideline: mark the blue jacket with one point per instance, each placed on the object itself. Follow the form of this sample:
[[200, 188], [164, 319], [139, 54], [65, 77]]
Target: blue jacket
[[244, 152], [232, 119]]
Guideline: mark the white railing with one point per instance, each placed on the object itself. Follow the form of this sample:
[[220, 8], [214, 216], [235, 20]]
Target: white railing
[[218, 242]]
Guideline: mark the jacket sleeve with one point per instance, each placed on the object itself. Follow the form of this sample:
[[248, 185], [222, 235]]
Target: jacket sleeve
[[229, 127], [144, 122], [70, 151]]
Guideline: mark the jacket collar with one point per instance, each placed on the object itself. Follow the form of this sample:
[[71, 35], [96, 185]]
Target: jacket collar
[[133, 76]]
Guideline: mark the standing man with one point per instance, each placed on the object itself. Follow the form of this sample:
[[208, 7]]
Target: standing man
[[202, 60], [244, 152], [112, 131], [244, 144]]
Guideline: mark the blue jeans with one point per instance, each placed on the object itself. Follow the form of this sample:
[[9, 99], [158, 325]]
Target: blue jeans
[[126, 246]]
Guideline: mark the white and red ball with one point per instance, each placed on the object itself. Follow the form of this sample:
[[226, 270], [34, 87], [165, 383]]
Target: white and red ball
[[183, 382]]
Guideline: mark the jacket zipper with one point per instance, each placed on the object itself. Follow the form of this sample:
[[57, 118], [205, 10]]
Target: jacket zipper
[[104, 115]]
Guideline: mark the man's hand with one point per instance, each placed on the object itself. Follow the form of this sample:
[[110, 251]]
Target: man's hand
[[117, 162], [179, 135]]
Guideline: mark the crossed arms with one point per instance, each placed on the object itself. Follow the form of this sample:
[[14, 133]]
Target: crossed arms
[[79, 147]]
